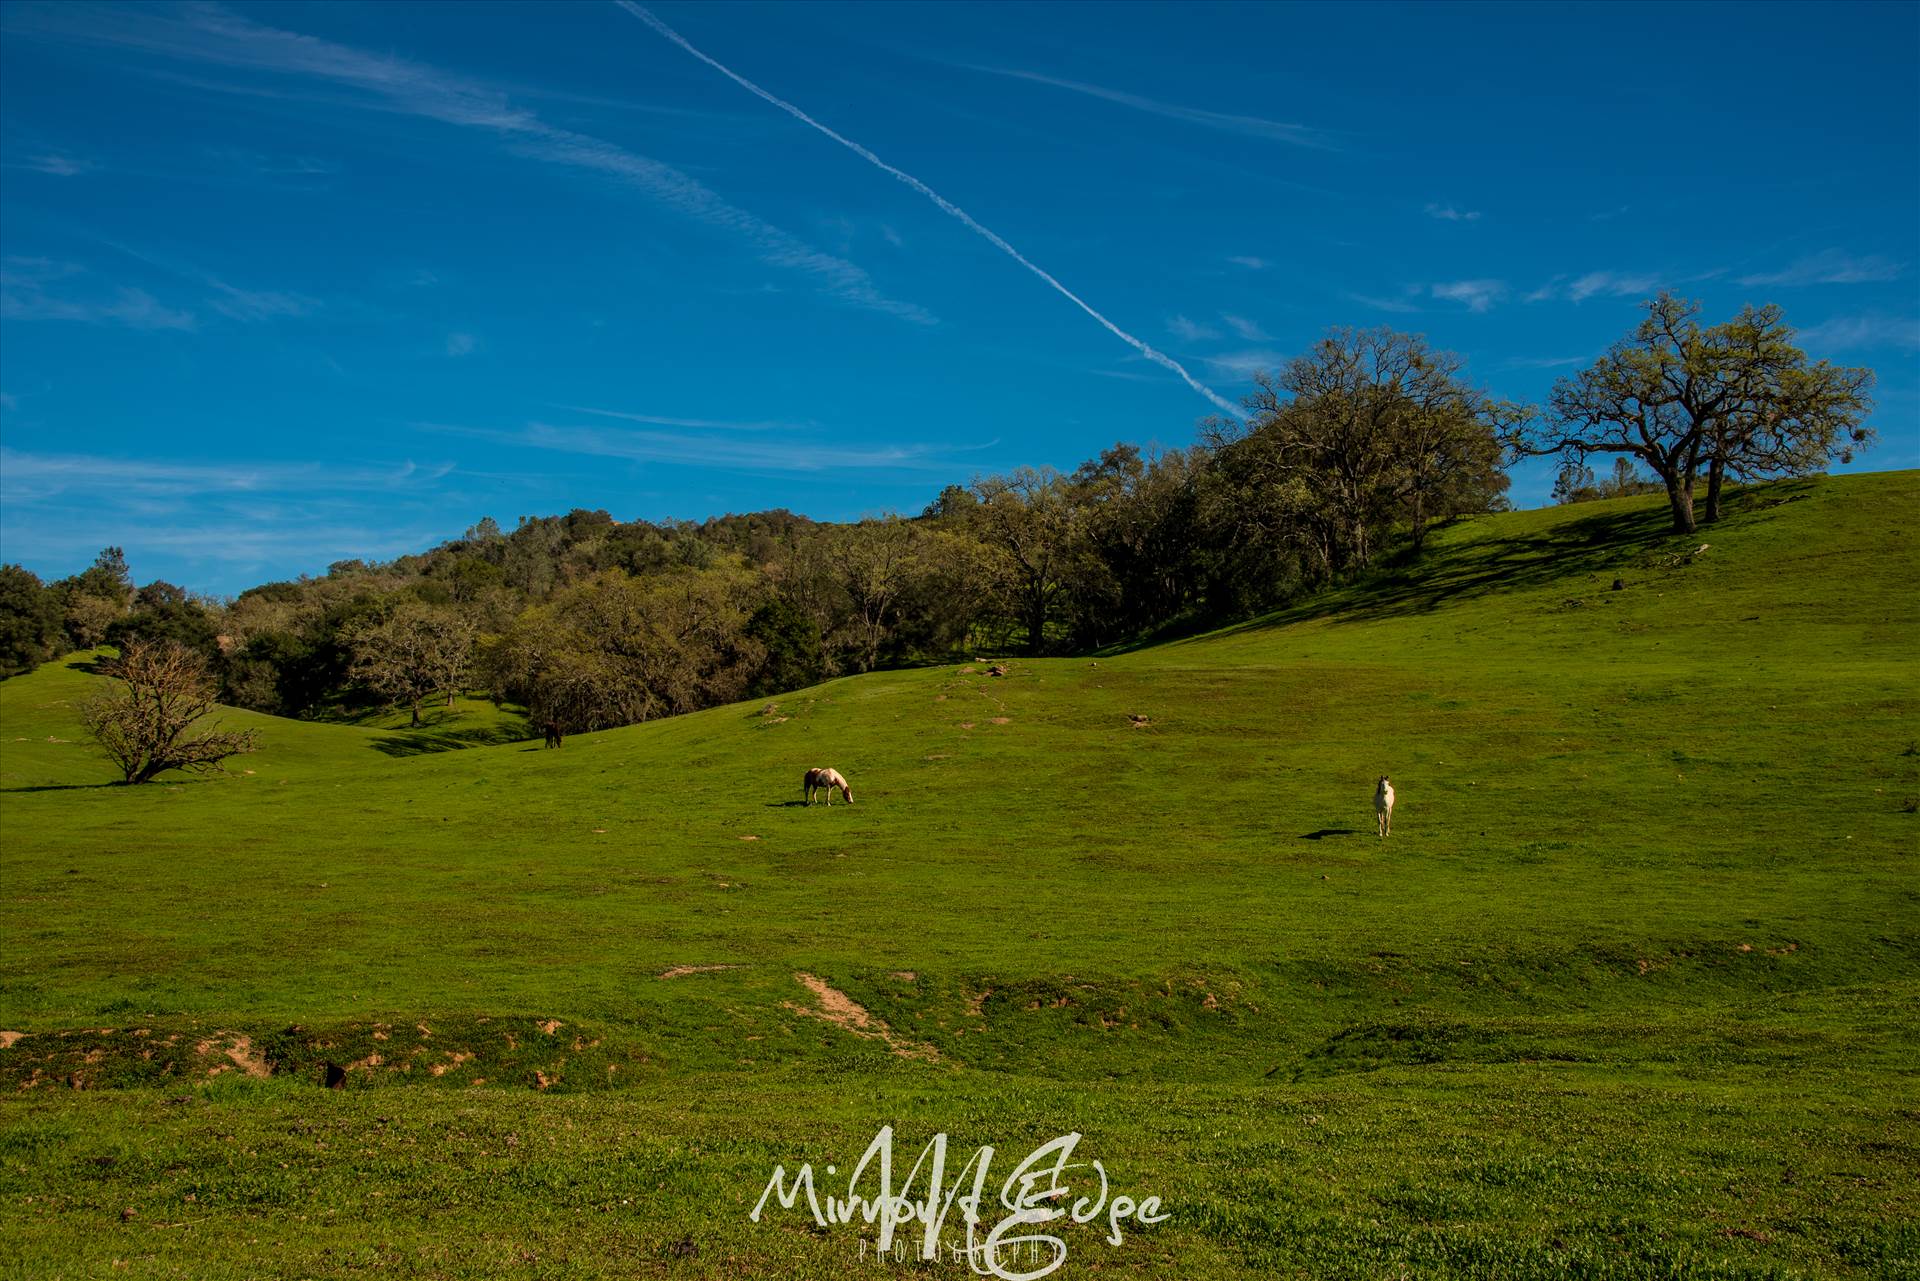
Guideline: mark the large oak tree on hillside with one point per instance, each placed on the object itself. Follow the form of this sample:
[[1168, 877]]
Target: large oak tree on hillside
[[618, 650], [412, 652], [1735, 400], [875, 562], [1027, 517], [1367, 428]]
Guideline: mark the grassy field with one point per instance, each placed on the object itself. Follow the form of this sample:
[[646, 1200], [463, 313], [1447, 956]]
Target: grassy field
[[1631, 991]]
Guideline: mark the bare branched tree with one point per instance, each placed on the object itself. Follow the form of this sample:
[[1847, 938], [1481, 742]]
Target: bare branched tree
[[144, 723]]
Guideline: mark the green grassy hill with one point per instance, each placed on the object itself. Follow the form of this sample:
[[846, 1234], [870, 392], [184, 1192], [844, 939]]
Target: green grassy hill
[[1630, 991]]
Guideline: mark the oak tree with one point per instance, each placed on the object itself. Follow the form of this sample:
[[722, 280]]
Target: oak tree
[[1736, 399]]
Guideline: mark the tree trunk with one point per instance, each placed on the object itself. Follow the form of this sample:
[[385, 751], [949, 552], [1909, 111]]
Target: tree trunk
[[1680, 498], [416, 714], [1716, 473], [1035, 609], [449, 698]]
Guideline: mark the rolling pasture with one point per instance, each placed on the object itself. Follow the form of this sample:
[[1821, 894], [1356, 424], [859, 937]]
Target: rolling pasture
[[1631, 991]]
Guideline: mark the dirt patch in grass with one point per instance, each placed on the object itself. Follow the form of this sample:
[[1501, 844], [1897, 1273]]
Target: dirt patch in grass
[[841, 1010], [681, 971], [248, 1059], [362, 1055], [8, 1039]]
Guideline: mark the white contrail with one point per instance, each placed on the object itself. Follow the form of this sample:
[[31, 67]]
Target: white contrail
[[947, 206]]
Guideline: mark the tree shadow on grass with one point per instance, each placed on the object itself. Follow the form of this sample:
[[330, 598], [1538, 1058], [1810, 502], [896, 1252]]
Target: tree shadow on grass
[[1604, 543], [60, 787], [424, 742]]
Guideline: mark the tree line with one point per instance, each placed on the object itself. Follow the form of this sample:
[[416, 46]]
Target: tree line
[[1350, 452]]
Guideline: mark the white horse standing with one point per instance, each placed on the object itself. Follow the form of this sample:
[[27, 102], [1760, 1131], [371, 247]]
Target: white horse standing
[[825, 780], [1383, 807]]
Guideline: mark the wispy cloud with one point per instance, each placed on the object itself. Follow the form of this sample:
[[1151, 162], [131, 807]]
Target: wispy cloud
[[1830, 267], [707, 424], [42, 289], [940, 202], [256, 304], [27, 477], [1245, 328], [1250, 262], [250, 306], [705, 449], [1190, 331], [1547, 291], [1607, 284], [1245, 364], [1612, 284], [133, 308], [1541, 362], [236, 547], [56, 163], [1478, 295], [1447, 213], [1847, 333], [211, 35], [1401, 306], [1248, 126], [272, 166], [461, 345]]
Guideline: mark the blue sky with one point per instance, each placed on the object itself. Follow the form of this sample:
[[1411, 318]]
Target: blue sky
[[289, 283]]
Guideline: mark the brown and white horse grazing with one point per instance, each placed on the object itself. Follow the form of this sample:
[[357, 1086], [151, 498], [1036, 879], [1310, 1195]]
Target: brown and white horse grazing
[[825, 780], [1383, 807]]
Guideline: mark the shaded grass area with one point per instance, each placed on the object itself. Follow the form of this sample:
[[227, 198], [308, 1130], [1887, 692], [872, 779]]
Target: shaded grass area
[[1630, 991]]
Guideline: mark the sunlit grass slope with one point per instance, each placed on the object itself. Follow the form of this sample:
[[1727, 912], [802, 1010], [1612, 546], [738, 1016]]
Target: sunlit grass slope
[[1631, 987]]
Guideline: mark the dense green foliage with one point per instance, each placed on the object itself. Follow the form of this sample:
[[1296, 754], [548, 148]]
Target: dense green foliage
[[1348, 454], [1630, 992], [590, 622]]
